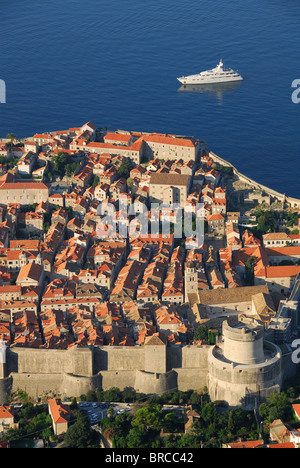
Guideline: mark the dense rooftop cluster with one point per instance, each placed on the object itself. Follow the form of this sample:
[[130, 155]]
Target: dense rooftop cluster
[[67, 275]]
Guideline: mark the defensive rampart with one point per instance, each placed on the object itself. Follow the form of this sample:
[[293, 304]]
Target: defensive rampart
[[293, 202], [73, 372], [77, 370]]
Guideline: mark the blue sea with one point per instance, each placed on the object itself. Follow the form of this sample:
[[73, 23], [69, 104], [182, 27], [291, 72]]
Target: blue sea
[[115, 63]]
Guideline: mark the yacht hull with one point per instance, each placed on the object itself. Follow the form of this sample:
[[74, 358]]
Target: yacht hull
[[216, 75], [191, 80]]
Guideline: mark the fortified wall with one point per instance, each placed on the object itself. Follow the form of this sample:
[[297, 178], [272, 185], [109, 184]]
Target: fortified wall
[[242, 370], [153, 368], [281, 197]]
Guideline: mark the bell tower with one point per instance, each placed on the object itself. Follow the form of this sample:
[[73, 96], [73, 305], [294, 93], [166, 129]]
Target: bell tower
[[190, 280]]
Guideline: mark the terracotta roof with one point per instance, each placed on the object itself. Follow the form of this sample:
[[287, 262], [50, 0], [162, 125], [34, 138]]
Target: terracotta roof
[[90, 124], [225, 295], [296, 408], [281, 271], [246, 444], [97, 144], [5, 412], [154, 340], [24, 186], [10, 288], [59, 412], [276, 236], [215, 217], [117, 136], [169, 179], [31, 270], [169, 140], [288, 250], [282, 445]]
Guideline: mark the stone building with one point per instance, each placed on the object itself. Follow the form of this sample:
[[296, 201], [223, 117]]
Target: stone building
[[171, 147], [280, 279], [60, 415], [24, 193], [169, 188], [216, 302]]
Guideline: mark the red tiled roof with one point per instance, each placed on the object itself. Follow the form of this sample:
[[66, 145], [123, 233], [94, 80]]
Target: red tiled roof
[[5, 412], [117, 136], [24, 186], [282, 271], [169, 140], [296, 408], [246, 444], [31, 270], [215, 217], [282, 445], [59, 412]]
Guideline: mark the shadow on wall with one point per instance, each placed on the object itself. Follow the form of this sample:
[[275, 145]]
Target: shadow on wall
[[100, 360], [12, 361]]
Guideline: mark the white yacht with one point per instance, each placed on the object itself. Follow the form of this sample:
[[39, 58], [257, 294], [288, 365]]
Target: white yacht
[[219, 74]]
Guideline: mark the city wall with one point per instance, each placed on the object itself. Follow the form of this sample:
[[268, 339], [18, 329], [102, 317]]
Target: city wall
[[294, 202], [73, 372]]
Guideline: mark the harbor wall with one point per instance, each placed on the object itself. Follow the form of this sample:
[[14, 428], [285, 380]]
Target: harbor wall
[[293, 202]]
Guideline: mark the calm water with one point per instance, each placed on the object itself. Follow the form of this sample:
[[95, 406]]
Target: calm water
[[115, 63]]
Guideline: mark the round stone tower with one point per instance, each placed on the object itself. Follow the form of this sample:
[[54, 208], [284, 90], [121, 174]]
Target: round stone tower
[[244, 369], [243, 345]]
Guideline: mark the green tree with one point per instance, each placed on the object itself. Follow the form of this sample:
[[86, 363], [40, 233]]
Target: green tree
[[201, 333], [128, 395], [209, 413], [196, 398], [122, 426], [170, 441], [79, 434], [190, 440], [249, 270], [136, 438], [146, 418], [11, 137], [113, 394], [292, 218], [74, 403], [129, 182], [277, 406], [172, 423], [91, 395], [125, 168], [63, 164], [110, 412], [71, 168], [266, 221]]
